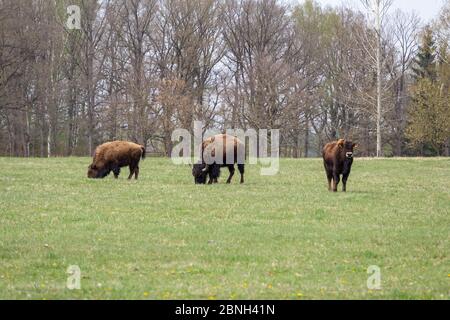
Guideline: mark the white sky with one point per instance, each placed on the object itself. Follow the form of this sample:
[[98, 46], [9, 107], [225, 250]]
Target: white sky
[[426, 9]]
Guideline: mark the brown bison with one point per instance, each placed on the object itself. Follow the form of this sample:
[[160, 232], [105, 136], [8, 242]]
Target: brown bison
[[338, 160], [112, 156], [233, 152]]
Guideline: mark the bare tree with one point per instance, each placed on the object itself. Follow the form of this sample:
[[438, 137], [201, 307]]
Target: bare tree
[[378, 9], [405, 32]]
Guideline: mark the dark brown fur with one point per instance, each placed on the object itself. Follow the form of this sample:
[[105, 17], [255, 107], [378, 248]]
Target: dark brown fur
[[338, 160], [112, 156], [206, 167]]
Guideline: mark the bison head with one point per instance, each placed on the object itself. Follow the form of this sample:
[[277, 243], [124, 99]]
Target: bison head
[[347, 148], [200, 172], [94, 172]]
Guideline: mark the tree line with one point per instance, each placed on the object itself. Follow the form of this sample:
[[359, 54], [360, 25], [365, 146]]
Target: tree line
[[139, 69]]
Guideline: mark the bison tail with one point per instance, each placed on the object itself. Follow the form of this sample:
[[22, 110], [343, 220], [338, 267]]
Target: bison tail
[[143, 152]]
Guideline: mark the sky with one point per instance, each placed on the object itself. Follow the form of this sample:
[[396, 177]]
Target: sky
[[426, 9]]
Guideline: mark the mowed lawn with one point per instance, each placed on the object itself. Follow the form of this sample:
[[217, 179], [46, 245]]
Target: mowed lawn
[[280, 237]]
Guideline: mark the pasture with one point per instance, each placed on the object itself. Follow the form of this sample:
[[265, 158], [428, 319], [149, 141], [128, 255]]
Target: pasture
[[281, 237]]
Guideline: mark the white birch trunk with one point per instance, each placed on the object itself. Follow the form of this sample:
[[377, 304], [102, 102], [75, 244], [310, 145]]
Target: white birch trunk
[[379, 86]]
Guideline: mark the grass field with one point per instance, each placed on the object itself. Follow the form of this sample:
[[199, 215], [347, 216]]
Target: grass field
[[281, 237]]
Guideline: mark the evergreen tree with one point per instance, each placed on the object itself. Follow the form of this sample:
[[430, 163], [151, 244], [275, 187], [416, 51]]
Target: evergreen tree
[[426, 57]]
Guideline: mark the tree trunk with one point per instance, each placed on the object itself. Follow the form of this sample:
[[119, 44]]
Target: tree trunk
[[447, 148], [306, 145], [27, 134], [378, 26], [49, 142], [400, 117]]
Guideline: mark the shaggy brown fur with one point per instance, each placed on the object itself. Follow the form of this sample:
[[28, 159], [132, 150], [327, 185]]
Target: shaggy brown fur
[[231, 146], [338, 160], [112, 156]]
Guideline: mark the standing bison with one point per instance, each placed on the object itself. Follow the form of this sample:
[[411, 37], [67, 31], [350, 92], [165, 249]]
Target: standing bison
[[112, 156], [233, 151], [338, 160]]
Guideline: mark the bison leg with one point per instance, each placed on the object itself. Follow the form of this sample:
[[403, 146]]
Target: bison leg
[[241, 169], [132, 169], [136, 172], [211, 178], [232, 170], [213, 173], [329, 172], [336, 179], [116, 172], [344, 182], [330, 180]]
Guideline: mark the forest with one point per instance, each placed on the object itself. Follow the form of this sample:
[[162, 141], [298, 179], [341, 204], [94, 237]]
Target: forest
[[139, 69]]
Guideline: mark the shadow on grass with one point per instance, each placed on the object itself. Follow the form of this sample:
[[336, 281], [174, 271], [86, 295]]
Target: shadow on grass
[[350, 192]]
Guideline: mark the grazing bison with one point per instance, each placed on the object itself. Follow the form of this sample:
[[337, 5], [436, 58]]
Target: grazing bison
[[231, 146], [112, 156], [338, 160]]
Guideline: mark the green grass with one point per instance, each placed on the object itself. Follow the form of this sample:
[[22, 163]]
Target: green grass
[[281, 237]]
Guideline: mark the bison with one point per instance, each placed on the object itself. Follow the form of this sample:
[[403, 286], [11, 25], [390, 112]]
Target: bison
[[112, 156], [231, 146], [338, 160]]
